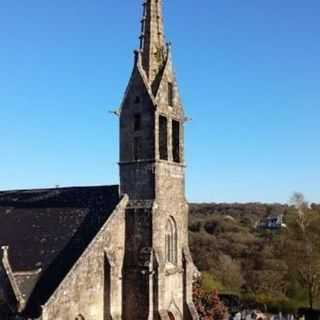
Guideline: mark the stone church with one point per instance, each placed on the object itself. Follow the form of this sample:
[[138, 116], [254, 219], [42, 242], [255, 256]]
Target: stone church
[[110, 252]]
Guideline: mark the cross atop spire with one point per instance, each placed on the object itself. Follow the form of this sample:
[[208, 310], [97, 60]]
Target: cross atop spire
[[152, 41]]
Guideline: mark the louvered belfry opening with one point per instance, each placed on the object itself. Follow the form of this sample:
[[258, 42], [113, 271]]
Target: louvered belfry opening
[[163, 138]]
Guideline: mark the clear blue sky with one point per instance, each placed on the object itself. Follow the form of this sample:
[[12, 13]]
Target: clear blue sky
[[249, 75]]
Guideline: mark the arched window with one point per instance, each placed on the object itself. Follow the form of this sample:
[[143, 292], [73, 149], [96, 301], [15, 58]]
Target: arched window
[[80, 317], [171, 241], [171, 316]]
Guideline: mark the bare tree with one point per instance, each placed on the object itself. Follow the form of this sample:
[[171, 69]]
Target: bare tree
[[303, 249]]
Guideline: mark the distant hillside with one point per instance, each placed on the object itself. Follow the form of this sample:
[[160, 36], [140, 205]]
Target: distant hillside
[[236, 257], [226, 231]]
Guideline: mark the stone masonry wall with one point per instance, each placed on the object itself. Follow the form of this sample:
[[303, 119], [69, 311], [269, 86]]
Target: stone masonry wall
[[93, 287]]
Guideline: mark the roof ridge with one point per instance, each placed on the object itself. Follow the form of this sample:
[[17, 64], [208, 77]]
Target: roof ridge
[[57, 188]]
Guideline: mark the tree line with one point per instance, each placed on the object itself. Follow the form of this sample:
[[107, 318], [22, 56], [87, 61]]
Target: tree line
[[277, 270]]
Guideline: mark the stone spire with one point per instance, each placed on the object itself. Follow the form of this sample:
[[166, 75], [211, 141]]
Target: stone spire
[[152, 41]]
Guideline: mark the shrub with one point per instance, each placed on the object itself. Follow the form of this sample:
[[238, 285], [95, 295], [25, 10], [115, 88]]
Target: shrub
[[195, 226], [213, 227], [208, 305], [210, 283]]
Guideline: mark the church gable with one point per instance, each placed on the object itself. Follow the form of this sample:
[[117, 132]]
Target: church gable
[[137, 118], [93, 287], [138, 89], [15, 287], [167, 95], [9, 295]]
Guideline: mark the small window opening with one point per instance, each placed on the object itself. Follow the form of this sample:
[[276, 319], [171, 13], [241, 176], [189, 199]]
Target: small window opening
[[107, 287], [171, 242], [170, 94], [171, 316], [163, 138], [137, 100], [137, 122], [137, 146], [176, 141]]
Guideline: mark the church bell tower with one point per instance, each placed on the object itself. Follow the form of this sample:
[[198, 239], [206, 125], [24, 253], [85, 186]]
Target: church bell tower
[[157, 269]]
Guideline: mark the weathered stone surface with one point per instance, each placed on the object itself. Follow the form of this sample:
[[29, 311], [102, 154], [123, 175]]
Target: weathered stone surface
[[93, 287]]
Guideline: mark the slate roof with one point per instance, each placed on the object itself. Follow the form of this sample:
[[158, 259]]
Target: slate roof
[[50, 229]]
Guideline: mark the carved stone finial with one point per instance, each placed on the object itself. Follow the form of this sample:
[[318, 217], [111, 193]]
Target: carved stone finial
[[5, 250]]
